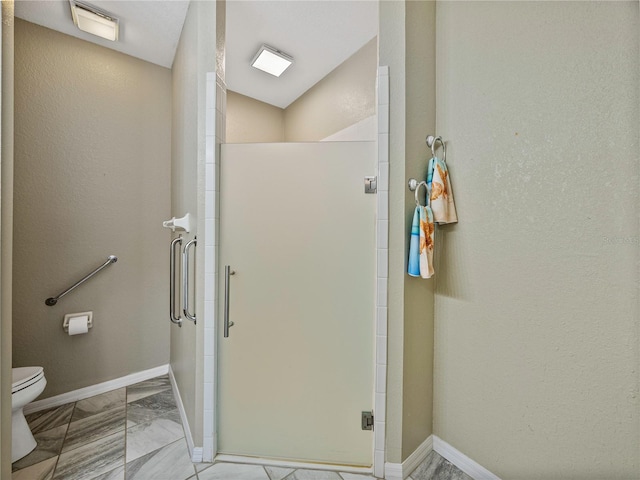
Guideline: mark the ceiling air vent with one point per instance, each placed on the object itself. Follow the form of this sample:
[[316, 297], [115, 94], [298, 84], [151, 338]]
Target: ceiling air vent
[[92, 20]]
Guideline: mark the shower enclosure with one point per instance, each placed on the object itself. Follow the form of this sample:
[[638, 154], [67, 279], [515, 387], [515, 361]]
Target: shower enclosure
[[297, 255]]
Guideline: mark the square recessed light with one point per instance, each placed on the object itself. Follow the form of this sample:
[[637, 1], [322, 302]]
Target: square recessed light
[[93, 20], [272, 61]]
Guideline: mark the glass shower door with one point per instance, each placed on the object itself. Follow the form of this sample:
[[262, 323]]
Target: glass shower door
[[298, 233]]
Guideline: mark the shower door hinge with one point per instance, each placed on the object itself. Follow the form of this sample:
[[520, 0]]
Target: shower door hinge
[[370, 184], [367, 420]]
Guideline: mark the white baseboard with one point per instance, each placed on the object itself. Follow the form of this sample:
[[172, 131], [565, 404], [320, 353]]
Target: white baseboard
[[291, 464], [195, 452], [400, 471], [460, 460], [92, 390]]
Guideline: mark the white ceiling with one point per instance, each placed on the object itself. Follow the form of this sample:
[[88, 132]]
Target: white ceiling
[[149, 30], [318, 34]]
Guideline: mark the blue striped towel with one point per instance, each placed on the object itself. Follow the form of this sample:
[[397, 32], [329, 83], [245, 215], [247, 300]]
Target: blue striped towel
[[414, 245], [421, 244]]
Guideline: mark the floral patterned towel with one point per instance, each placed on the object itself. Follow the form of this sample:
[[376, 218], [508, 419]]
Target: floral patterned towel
[[426, 242], [441, 195]]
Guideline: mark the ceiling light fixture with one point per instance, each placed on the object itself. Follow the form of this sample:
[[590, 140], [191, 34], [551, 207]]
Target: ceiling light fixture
[[93, 20], [272, 61]]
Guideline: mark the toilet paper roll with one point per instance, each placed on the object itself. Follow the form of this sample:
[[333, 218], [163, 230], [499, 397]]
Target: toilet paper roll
[[78, 325]]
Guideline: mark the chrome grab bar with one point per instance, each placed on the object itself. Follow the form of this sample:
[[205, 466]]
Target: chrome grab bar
[[172, 282], [227, 287], [53, 300], [185, 280]]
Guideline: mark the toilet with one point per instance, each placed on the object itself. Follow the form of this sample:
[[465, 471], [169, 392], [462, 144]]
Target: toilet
[[28, 383]]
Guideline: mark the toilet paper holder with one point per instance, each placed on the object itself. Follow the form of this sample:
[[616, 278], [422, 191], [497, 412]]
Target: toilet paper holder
[[69, 316]]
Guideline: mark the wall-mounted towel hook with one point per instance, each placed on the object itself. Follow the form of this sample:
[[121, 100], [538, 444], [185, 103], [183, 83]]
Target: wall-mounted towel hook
[[181, 224], [427, 200], [414, 186], [431, 143]]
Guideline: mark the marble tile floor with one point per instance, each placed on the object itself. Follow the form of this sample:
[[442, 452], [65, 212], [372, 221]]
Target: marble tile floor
[[434, 467], [135, 433]]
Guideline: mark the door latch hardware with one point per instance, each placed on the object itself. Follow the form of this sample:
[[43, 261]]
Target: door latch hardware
[[367, 420], [370, 184]]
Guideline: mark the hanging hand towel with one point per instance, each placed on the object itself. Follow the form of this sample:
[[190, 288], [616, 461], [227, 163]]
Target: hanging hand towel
[[426, 241], [439, 184], [413, 268]]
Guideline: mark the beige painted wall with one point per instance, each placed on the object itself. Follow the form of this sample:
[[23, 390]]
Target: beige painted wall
[[252, 121], [6, 229], [344, 97], [184, 196], [195, 56], [407, 47], [420, 101], [536, 366], [92, 170]]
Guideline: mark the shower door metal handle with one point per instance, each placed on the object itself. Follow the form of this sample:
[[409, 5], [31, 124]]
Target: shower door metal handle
[[172, 282], [227, 287], [185, 280]]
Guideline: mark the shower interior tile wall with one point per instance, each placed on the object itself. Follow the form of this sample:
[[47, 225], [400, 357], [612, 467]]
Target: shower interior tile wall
[[382, 271]]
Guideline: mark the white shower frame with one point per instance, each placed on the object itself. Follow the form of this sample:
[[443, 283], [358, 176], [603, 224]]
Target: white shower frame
[[216, 103]]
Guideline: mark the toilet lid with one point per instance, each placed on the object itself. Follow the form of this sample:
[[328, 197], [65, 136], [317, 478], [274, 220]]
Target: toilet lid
[[24, 377]]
